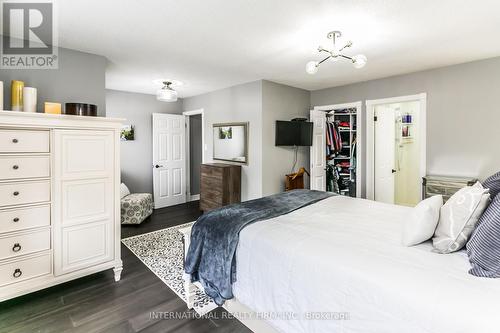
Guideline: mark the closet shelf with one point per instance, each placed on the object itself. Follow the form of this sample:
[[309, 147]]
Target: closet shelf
[[346, 139], [341, 114]]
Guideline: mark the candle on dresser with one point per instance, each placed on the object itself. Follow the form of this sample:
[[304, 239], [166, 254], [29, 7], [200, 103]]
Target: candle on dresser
[[29, 99], [52, 108], [17, 95]]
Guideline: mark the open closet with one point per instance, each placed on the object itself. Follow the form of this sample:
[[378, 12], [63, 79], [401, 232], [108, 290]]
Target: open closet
[[336, 152]]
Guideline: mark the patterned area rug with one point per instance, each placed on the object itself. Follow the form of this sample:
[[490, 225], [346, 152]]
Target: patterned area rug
[[162, 251]]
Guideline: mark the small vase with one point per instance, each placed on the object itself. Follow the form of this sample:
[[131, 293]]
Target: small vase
[[17, 95], [29, 99]]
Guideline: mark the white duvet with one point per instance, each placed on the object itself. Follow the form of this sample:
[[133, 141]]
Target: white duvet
[[341, 259]]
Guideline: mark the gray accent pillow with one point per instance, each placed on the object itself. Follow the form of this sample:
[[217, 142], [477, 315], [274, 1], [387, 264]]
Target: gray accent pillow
[[483, 247], [493, 184], [458, 218]]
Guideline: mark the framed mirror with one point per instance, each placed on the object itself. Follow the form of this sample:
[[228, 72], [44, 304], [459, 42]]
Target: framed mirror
[[231, 142]]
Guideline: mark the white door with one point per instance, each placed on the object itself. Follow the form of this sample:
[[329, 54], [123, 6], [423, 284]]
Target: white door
[[318, 151], [384, 154], [169, 159]]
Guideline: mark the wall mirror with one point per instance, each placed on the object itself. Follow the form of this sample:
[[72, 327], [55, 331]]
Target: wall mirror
[[231, 142]]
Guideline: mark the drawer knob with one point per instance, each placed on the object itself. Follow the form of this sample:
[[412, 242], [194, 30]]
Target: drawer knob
[[16, 247], [15, 140], [16, 219], [16, 193], [17, 273], [15, 167]]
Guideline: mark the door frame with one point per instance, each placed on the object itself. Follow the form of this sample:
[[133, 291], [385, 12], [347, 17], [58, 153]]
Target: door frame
[[186, 115], [370, 136], [360, 176]]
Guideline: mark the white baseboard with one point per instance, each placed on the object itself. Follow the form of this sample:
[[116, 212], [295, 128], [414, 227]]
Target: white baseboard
[[194, 197]]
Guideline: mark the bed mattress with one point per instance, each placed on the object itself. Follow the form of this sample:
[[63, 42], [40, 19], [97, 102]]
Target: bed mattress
[[338, 266]]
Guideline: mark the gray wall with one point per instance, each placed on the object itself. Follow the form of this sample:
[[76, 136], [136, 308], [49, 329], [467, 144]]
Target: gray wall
[[241, 103], [462, 113], [195, 153], [80, 78], [261, 103], [137, 155], [281, 102]]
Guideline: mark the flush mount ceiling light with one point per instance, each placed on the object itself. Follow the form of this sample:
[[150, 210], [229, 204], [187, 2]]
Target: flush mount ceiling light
[[358, 61], [167, 93]]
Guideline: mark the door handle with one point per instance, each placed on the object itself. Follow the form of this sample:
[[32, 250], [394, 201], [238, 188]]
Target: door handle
[[158, 166], [393, 170]]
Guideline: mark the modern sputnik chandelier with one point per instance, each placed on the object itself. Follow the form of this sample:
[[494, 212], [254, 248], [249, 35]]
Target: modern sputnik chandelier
[[358, 61]]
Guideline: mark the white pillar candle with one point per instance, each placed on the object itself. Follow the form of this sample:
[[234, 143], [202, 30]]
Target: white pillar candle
[[29, 97], [1, 95]]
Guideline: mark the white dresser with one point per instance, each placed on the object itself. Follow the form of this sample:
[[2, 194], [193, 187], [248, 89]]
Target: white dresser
[[59, 199]]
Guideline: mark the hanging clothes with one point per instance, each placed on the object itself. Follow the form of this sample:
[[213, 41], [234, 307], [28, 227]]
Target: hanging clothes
[[353, 154], [331, 132], [328, 138], [333, 138], [330, 178], [337, 139], [328, 142]]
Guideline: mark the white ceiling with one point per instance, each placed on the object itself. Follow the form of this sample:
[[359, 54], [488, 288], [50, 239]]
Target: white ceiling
[[213, 44]]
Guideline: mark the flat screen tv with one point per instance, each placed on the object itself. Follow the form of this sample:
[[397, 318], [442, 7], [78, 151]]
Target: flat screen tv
[[294, 133]]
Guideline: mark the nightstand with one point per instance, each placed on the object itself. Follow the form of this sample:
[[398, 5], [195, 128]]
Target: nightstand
[[444, 185]]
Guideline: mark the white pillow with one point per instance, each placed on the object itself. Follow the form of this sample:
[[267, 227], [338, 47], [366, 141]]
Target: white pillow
[[422, 222], [124, 191], [459, 216]]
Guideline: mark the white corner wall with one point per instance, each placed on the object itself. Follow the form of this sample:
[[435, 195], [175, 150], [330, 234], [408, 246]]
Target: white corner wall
[[241, 103], [137, 155], [281, 102]]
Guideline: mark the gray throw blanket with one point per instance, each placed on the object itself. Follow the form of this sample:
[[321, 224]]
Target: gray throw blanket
[[211, 255]]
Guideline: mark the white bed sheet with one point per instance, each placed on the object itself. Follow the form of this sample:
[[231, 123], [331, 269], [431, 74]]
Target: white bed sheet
[[344, 255]]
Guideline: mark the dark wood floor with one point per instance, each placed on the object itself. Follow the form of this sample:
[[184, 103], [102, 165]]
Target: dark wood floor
[[98, 304]]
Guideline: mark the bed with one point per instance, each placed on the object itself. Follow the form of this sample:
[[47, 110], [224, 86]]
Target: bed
[[338, 266]]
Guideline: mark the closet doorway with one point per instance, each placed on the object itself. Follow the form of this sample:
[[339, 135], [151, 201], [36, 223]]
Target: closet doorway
[[195, 151], [335, 154], [396, 154]]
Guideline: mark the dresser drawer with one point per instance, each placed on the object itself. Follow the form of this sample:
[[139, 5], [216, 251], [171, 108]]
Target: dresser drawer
[[24, 269], [16, 245], [24, 193], [211, 172], [207, 205], [24, 218], [24, 141], [212, 195], [16, 167], [213, 183]]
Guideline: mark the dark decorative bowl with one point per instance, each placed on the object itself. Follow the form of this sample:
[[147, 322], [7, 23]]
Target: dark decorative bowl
[[81, 109]]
